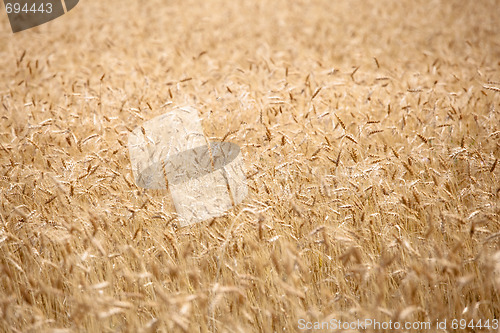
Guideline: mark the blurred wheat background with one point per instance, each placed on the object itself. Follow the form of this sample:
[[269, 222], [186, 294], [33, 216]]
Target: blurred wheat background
[[371, 137]]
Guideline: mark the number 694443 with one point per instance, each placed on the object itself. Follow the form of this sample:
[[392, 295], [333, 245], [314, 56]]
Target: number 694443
[[16, 8]]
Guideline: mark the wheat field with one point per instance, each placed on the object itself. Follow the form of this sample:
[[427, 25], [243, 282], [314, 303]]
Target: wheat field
[[370, 132]]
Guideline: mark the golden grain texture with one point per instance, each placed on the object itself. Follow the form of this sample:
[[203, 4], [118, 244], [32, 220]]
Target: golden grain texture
[[371, 136]]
